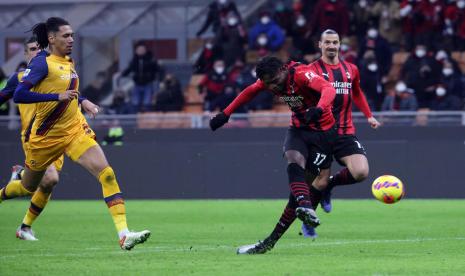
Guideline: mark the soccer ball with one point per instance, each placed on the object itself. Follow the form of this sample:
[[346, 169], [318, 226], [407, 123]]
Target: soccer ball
[[388, 189]]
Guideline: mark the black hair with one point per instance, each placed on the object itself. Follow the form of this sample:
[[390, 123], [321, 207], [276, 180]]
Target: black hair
[[268, 66], [42, 29], [328, 31], [22, 64], [30, 39]]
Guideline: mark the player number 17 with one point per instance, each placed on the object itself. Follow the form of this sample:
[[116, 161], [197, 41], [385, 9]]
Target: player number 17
[[319, 159]]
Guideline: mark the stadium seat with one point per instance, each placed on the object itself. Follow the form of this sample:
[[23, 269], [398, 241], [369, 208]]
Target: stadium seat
[[459, 57], [191, 95], [398, 60]]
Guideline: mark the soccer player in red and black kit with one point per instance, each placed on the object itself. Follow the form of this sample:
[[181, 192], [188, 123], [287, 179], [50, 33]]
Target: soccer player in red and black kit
[[308, 140], [347, 150]]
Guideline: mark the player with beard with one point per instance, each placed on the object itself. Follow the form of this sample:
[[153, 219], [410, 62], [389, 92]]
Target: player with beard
[[308, 140], [347, 150]]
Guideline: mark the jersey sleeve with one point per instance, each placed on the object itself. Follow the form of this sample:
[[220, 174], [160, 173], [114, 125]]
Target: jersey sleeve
[[359, 97], [36, 71], [311, 80], [8, 91], [245, 96]]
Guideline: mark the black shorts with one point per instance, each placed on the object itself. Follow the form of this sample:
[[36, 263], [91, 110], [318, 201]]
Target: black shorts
[[315, 146], [346, 145]]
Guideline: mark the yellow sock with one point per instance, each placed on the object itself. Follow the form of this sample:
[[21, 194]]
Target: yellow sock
[[38, 202], [14, 189], [114, 199]]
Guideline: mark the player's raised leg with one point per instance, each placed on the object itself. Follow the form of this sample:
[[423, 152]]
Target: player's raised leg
[[38, 202], [356, 171], [21, 188], [94, 160]]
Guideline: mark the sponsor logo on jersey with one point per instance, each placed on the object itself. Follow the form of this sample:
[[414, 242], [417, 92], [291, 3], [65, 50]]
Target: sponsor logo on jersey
[[293, 101], [69, 76], [342, 87]]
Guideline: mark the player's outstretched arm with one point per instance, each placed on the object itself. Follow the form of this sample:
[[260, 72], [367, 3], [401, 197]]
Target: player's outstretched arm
[[362, 103], [244, 97], [8, 91]]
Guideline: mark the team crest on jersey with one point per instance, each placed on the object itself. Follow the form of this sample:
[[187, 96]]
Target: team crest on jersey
[[348, 74]]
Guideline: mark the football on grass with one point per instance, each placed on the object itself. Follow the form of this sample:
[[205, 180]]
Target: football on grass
[[388, 189]]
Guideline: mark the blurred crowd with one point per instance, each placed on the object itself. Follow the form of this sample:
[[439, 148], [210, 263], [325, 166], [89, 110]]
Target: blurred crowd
[[428, 36]]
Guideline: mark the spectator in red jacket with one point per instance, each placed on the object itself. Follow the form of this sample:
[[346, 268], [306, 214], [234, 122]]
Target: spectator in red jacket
[[422, 22], [455, 25], [330, 14]]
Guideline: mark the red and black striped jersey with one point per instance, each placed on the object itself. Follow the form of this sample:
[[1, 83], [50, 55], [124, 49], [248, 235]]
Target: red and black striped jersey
[[345, 78], [304, 89]]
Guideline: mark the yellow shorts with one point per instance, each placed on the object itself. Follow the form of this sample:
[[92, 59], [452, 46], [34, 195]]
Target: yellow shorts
[[43, 151], [58, 164]]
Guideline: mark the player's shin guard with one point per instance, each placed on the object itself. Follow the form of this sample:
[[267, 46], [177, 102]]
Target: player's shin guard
[[298, 186], [342, 177], [14, 189], [38, 202], [114, 199]]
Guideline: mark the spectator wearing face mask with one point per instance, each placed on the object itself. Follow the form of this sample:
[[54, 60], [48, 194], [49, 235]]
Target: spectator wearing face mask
[[407, 100], [347, 52], [301, 42], [422, 22], [204, 62], [264, 100], [231, 40], [454, 20], [421, 72], [371, 82], [389, 21], [330, 14], [217, 15], [144, 69], [446, 101], [170, 97], [383, 54], [452, 80], [282, 15], [213, 85], [266, 35], [360, 19]]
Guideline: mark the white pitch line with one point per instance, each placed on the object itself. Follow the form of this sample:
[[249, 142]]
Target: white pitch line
[[201, 248]]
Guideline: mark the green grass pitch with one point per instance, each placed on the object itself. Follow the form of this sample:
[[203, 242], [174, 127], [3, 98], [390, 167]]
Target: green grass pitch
[[360, 237]]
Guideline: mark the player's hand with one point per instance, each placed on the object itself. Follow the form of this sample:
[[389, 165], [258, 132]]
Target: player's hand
[[90, 108], [374, 123], [312, 114], [69, 95], [218, 121]]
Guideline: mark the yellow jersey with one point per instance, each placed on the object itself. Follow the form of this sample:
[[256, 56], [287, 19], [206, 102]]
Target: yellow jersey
[[50, 74]]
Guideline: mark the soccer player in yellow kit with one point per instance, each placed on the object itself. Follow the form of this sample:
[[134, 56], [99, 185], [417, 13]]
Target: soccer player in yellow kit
[[51, 83], [27, 111]]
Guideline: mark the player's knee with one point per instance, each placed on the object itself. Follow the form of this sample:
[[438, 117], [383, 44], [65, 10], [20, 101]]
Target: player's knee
[[107, 176], [296, 157], [320, 183], [49, 180], [360, 174]]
